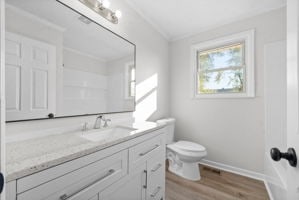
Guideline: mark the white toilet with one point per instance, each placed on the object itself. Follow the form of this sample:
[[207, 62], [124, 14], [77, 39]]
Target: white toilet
[[183, 156]]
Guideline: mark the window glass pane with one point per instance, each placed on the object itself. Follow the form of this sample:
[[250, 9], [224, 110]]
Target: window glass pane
[[223, 81], [131, 76], [227, 56], [132, 89], [133, 73]]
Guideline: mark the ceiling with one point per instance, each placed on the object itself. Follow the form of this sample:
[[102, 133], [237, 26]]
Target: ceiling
[[176, 19]]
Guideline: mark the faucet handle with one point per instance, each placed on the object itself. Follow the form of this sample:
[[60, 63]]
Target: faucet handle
[[106, 122], [85, 126]]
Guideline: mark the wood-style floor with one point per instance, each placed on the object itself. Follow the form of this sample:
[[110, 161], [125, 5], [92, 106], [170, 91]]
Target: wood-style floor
[[214, 185]]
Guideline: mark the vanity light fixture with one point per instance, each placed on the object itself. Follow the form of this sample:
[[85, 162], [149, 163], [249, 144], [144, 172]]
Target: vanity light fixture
[[101, 7]]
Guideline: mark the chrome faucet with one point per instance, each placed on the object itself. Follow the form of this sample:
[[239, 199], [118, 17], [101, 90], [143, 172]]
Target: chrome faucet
[[98, 122]]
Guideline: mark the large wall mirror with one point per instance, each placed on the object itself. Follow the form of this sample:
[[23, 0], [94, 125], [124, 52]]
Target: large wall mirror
[[60, 63]]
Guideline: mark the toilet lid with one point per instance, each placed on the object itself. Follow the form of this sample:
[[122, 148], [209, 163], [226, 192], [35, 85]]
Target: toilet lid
[[189, 146]]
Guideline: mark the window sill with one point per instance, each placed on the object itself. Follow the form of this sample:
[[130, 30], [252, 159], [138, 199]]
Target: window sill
[[224, 96]]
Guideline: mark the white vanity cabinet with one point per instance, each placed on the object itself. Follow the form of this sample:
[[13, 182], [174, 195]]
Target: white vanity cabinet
[[144, 183], [146, 180], [132, 170]]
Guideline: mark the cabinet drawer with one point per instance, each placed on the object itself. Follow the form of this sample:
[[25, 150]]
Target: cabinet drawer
[[83, 183], [143, 151], [156, 177]]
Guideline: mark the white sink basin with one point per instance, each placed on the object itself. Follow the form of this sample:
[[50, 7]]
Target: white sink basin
[[107, 133]]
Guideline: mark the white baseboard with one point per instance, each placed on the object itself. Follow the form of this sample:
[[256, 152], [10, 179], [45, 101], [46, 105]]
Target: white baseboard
[[268, 190], [235, 170]]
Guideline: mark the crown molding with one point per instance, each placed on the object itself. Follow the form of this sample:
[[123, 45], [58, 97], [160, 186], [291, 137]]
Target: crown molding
[[147, 19], [167, 36], [230, 21]]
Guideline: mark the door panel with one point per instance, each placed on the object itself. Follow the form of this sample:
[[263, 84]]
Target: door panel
[[2, 91], [13, 48], [292, 94], [39, 89], [13, 84], [275, 115], [13, 73], [40, 55]]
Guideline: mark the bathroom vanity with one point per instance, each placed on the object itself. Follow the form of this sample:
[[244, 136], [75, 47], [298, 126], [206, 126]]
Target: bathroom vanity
[[127, 166]]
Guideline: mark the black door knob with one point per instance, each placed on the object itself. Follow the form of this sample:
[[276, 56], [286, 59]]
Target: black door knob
[[290, 155], [51, 115], [1, 182]]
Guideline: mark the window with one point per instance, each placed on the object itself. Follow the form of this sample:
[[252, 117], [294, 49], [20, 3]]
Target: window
[[224, 67], [130, 81]]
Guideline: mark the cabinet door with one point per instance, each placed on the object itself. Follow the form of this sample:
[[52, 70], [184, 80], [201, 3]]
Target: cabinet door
[[30, 67], [132, 187], [156, 177]]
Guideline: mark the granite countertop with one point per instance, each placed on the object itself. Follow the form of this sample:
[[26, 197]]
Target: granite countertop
[[33, 155]]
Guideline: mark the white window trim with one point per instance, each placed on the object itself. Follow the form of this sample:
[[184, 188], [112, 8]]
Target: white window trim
[[127, 66], [248, 37]]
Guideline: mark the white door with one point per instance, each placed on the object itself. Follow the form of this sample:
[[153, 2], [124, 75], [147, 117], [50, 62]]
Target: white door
[[2, 92], [292, 95], [275, 116], [30, 78]]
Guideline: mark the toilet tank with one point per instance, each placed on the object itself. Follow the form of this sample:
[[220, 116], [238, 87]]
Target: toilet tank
[[170, 123]]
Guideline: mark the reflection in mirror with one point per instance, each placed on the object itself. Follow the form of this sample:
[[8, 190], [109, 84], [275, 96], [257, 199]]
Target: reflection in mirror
[[60, 62]]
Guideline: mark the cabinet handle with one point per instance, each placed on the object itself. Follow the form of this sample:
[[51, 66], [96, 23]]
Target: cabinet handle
[[66, 197], [145, 184], [156, 192], [156, 168], [152, 149]]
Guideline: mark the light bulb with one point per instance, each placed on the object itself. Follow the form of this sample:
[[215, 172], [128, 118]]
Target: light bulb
[[118, 13], [106, 3]]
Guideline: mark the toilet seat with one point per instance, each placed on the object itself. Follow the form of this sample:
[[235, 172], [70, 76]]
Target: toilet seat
[[188, 149], [189, 146]]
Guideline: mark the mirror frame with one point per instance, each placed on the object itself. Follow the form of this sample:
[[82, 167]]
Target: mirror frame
[[94, 114]]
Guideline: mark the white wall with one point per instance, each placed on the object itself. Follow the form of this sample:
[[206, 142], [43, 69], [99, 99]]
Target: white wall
[[84, 88], [83, 62], [231, 129], [151, 58]]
